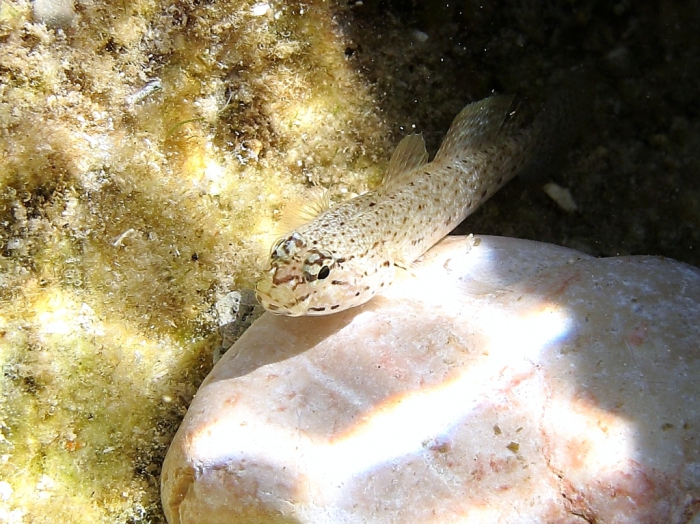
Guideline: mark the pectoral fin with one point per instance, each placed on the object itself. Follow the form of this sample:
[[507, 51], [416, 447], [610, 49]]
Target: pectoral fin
[[303, 209]]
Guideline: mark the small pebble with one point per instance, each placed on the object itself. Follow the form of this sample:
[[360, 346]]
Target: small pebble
[[420, 36], [562, 196]]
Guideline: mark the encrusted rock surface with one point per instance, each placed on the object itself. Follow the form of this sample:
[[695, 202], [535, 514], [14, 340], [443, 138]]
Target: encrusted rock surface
[[513, 382]]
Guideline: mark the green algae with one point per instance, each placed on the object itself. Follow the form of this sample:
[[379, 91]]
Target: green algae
[[126, 214]]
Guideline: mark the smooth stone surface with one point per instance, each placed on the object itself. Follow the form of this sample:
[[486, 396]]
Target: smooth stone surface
[[516, 382]]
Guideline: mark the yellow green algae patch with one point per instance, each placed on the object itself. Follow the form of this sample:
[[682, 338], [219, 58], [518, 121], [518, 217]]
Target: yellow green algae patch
[[145, 154]]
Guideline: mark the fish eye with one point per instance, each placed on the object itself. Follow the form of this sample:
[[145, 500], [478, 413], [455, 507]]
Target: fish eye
[[317, 265], [324, 272]]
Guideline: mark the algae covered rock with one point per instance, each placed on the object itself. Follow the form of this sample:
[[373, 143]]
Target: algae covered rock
[[510, 382], [145, 149]]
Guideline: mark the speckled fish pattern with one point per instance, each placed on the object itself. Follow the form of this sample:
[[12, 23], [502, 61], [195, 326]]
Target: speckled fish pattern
[[349, 253]]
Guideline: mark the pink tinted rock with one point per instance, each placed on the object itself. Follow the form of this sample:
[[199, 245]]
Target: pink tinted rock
[[513, 382]]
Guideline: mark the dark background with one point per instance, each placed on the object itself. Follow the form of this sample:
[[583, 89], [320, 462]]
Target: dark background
[[633, 168]]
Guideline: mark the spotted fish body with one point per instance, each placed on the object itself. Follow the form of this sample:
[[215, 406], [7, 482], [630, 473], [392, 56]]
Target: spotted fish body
[[349, 253]]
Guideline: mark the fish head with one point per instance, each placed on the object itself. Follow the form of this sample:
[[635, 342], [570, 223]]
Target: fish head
[[304, 279]]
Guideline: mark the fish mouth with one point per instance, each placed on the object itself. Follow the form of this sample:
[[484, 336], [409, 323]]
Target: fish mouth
[[266, 301], [275, 306]]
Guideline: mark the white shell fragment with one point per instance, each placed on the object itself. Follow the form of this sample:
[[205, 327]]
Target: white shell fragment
[[515, 382], [561, 195], [420, 36]]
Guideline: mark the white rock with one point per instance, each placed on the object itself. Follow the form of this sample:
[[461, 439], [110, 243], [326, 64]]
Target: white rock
[[514, 383]]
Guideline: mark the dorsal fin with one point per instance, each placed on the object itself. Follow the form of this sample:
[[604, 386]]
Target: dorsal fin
[[477, 124], [303, 209], [409, 154]]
